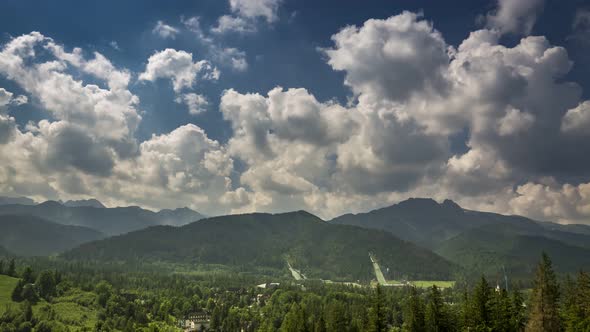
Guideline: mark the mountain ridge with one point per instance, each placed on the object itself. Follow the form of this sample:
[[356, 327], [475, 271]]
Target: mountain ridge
[[111, 221], [267, 241], [34, 236]]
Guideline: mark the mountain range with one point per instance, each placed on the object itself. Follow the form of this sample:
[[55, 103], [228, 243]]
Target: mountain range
[[267, 241], [416, 238], [479, 241], [32, 236], [93, 214], [85, 202]]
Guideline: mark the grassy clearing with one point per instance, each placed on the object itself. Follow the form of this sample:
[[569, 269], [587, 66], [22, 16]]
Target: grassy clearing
[[73, 314], [430, 283], [7, 284], [75, 309]]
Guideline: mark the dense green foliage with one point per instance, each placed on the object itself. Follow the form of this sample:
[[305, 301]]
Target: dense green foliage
[[254, 241], [515, 247], [32, 236], [85, 297], [576, 303], [544, 314]]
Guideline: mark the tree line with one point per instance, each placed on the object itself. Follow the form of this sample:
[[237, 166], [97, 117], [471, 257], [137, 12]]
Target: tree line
[[138, 301]]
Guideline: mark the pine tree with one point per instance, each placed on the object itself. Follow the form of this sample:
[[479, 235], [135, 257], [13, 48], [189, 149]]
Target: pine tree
[[11, 269], [576, 303], [46, 285], [544, 314], [294, 321], [480, 309], [335, 316], [18, 291], [517, 314], [377, 312], [414, 313], [500, 311], [1, 266], [28, 275], [434, 317], [583, 286]]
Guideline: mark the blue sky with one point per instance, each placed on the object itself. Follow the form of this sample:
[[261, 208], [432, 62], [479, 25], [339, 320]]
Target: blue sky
[[282, 54], [443, 150]]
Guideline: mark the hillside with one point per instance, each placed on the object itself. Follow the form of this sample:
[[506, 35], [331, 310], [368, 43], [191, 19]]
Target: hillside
[[265, 241], [178, 217], [481, 242], [419, 220], [517, 247], [6, 286], [111, 221], [429, 224], [33, 236]]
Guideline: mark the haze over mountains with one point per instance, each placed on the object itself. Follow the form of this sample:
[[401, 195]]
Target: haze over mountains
[[32, 236], [418, 238], [93, 214]]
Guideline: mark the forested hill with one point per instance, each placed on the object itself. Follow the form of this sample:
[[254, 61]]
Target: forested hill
[[429, 224], [481, 242], [111, 221], [515, 247], [33, 236], [266, 241], [420, 220]]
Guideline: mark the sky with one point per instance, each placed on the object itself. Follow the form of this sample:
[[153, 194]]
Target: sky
[[232, 106]]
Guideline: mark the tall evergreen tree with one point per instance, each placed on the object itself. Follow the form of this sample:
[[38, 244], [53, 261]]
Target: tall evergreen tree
[[335, 316], [500, 311], [378, 312], [11, 268], [576, 303], [46, 285], [480, 304], [17, 292], [294, 321], [544, 314], [434, 317], [517, 311], [28, 275], [414, 313]]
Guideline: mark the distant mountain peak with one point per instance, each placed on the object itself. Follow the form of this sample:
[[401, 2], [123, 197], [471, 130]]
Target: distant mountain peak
[[427, 203], [418, 202], [85, 203], [298, 212], [51, 203], [451, 204]]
